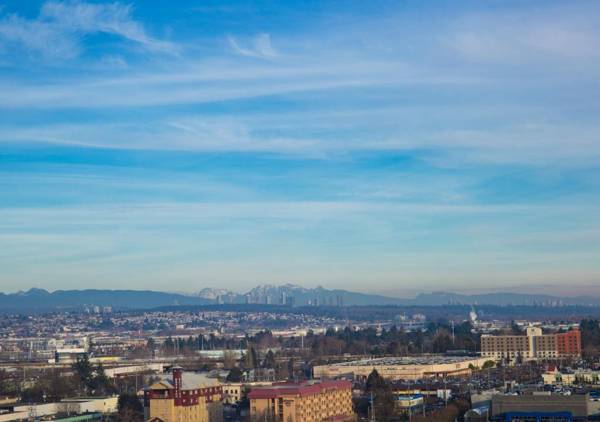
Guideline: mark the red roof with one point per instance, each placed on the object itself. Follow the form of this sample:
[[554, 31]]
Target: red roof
[[293, 389]]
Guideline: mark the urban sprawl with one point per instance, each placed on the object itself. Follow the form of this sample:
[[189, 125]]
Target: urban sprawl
[[272, 364]]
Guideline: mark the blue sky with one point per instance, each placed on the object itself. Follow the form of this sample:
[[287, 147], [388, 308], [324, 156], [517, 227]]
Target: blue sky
[[392, 147]]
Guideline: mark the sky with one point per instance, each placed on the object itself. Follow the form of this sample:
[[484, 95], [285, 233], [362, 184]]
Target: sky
[[379, 146]]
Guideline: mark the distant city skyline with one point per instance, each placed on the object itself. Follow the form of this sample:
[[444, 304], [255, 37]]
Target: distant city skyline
[[387, 147]]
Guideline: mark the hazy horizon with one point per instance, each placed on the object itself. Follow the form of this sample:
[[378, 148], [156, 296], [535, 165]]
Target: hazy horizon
[[387, 146], [550, 290]]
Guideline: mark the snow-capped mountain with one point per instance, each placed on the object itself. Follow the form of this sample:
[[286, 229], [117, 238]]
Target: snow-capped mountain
[[292, 294], [214, 294]]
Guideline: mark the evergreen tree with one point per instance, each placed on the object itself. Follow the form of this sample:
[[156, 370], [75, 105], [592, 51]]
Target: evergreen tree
[[84, 372], [269, 361], [235, 375], [130, 408], [250, 358], [383, 399]]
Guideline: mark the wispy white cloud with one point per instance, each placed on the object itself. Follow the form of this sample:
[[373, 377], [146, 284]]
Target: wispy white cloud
[[57, 30], [559, 143], [39, 37], [551, 35], [112, 18], [260, 47], [359, 83]]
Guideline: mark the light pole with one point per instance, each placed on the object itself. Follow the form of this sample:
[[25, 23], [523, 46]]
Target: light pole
[[372, 408]]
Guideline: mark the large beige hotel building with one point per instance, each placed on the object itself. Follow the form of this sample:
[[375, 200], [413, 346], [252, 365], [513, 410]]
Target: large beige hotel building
[[534, 345]]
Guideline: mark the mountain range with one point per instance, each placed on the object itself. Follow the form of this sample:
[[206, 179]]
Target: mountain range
[[298, 295], [267, 294], [42, 300], [310, 296]]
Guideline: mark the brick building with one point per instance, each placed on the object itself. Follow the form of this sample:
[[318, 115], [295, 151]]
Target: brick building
[[185, 397], [305, 402]]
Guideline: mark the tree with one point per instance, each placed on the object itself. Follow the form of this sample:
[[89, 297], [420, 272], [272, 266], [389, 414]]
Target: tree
[[374, 381], [235, 375], [442, 341], [59, 386], [325, 345], [290, 368], [93, 380], [151, 344], [269, 361], [383, 398], [34, 394], [488, 364], [229, 359], [102, 385], [169, 345], [250, 358], [130, 408], [84, 372], [7, 385], [590, 336]]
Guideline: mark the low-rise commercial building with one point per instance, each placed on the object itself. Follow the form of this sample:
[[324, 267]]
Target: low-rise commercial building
[[304, 402], [410, 404], [583, 376], [97, 407], [403, 368], [68, 356], [234, 392], [540, 407]]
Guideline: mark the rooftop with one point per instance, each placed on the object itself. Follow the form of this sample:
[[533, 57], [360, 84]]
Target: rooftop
[[297, 389], [189, 381], [407, 361]]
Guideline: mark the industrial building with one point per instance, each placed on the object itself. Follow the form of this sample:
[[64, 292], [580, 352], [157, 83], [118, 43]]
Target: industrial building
[[402, 368], [542, 407], [88, 409]]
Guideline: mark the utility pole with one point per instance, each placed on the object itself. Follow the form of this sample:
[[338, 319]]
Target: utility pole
[[445, 392], [372, 408]]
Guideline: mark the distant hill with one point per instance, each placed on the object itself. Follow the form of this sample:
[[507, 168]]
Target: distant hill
[[500, 299], [38, 300], [42, 300]]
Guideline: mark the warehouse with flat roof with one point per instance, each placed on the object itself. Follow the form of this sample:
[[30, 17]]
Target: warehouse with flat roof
[[402, 368]]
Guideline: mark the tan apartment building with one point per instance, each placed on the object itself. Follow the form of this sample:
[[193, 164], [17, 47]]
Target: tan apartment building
[[233, 392], [304, 402]]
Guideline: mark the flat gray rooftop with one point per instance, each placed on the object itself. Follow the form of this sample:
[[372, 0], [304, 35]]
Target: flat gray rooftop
[[398, 361]]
